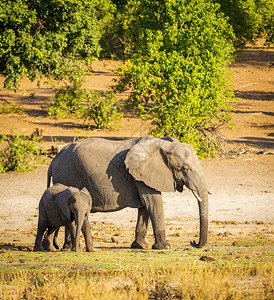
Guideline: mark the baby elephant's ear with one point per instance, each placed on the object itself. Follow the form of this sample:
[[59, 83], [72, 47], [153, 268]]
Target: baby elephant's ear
[[85, 190], [63, 203]]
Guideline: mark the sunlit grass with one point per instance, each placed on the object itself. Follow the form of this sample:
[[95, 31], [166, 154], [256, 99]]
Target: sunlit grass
[[192, 281]]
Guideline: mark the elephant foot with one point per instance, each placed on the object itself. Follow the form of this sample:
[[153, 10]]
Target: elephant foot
[[51, 248], [45, 242], [160, 241], [161, 245], [90, 250], [139, 245], [38, 248], [67, 246]]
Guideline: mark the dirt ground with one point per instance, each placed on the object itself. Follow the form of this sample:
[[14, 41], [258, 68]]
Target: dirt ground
[[241, 185]]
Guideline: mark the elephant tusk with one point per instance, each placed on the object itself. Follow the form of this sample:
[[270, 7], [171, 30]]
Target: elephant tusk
[[197, 196]]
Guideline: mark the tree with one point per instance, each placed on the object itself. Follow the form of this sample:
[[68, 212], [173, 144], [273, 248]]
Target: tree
[[265, 10], [49, 37], [176, 68], [249, 19]]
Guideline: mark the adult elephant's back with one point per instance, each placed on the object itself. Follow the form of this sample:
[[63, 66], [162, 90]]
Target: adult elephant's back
[[98, 165], [61, 166]]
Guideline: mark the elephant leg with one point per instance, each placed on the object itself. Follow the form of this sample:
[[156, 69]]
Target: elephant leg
[[153, 202], [50, 236], [46, 241], [72, 231], [141, 229], [87, 235], [55, 239], [38, 246], [67, 243]]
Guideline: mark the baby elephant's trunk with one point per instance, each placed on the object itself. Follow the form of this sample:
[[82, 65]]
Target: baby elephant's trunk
[[80, 217]]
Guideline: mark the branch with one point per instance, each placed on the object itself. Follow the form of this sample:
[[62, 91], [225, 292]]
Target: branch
[[4, 100]]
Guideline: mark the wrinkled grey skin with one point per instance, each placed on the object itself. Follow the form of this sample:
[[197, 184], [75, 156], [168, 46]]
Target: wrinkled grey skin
[[61, 205], [133, 173]]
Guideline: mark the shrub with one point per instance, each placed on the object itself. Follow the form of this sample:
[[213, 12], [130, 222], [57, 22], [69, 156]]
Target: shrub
[[11, 108], [77, 101], [265, 10], [21, 153], [250, 19], [176, 69], [102, 110], [67, 101]]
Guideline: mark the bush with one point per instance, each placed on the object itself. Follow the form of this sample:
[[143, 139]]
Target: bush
[[11, 108], [249, 19], [67, 101], [265, 10], [22, 154], [176, 69], [102, 110], [73, 100]]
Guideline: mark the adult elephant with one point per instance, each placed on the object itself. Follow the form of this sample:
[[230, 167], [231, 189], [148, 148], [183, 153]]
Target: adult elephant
[[133, 173]]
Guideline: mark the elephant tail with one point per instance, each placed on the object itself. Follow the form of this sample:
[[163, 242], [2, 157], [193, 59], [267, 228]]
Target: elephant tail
[[49, 176]]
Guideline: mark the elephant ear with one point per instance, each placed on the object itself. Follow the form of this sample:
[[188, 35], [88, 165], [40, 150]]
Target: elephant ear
[[63, 202], [147, 161]]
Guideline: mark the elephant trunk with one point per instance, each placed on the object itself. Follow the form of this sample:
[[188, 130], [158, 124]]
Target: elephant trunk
[[79, 223], [202, 197]]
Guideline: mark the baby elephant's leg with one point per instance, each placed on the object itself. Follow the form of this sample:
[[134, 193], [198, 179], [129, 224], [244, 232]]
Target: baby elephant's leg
[[67, 243], [55, 239], [46, 241], [38, 241], [72, 230], [50, 236]]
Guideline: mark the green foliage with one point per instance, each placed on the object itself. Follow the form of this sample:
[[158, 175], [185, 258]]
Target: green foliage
[[73, 100], [176, 72], [102, 110], [67, 101], [265, 9], [11, 108], [21, 154], [112, 39], [249, 19], [44, 37]]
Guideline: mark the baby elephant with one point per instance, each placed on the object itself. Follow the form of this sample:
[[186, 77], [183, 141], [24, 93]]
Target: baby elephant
[[61, 206]]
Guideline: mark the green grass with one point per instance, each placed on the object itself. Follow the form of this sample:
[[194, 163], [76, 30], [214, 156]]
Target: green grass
[[124, 258]]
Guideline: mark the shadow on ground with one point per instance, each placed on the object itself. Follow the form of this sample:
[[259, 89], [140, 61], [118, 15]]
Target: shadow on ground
[[256, 141]]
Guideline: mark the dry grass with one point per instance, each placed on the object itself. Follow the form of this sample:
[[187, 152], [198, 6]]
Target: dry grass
[[176, 281]]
